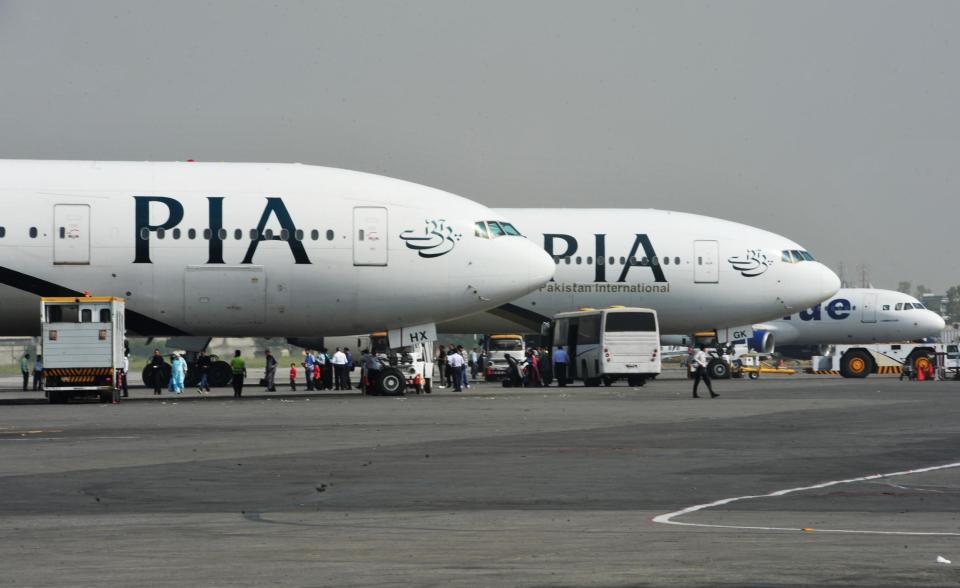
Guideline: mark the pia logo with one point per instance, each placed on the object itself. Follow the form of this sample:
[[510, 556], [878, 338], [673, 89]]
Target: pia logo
[[437, 238], [754, 263]]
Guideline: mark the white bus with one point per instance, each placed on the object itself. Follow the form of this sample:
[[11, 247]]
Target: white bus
[[605, 345]]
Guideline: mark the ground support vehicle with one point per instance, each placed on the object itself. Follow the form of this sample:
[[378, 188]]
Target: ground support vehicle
[[82, 346], [405, 368], [497, 348], [859, 361], [609, 344]]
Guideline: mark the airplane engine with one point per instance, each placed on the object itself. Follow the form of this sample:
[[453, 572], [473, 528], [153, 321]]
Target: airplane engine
[[762, 341]]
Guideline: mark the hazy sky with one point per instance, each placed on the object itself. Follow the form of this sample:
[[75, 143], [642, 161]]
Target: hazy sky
[[834, 123]]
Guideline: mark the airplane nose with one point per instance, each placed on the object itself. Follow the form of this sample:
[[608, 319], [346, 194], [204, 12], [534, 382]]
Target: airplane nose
[[540, 266], [829, 282], [937, 322]]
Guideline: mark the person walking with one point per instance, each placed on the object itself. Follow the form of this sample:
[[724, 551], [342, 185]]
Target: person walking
[[339, 361], [560, 361], [699, 368], [203, 366], [293, 377], [25, 370], [308, 361], [178, 373], [465, 383], [347, 369], [455, 362], [156, 371], [441, 366], [270, 372], [239, 369], [38, 373]]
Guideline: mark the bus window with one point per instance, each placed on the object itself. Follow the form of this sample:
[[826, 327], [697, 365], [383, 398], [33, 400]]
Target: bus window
[[560, 331], [620, 322], [589, 331]]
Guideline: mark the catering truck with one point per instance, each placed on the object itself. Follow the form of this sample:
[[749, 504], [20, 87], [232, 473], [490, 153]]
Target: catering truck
[[82, 347]]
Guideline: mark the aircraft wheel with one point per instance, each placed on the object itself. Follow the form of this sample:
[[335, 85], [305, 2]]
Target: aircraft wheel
[[718, 370], [856, 363], [390, 382], [219, 374]]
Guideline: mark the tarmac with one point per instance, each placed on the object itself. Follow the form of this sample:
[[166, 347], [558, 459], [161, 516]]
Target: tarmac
[[775, 483]]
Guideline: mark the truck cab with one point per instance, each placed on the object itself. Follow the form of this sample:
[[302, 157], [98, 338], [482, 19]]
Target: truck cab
[[497, 348]]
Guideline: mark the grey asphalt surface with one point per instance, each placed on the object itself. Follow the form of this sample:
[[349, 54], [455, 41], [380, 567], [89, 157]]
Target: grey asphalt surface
[[548, 487]]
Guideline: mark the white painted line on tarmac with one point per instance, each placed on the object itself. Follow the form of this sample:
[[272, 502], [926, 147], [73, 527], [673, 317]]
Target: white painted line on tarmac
[[668, 519]]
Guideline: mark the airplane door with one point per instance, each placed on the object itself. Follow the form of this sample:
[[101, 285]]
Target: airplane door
[[868, 312], [71, 234], [369, 235], [706, 262]]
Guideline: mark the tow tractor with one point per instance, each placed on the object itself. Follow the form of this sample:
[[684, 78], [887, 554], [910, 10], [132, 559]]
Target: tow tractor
[[859, 361], [82, 344], [406, 367]]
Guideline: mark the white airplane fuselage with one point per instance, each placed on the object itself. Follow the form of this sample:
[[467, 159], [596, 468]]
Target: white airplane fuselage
[[249, 249], [857, 315], [697, 272]]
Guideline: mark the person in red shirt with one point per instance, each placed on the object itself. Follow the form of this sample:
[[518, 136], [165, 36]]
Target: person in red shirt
[[316, 373], [293, 377]]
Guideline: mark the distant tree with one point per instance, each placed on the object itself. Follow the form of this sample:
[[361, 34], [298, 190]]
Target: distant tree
[[904, 287], [922, 290], [953, 303]]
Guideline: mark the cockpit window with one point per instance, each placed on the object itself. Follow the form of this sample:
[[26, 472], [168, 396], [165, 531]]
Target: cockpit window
[[796, 256], [495, 229], [786, 257], [919, 306], [480, 230], [899, 306], [806, 255], [510, 229]]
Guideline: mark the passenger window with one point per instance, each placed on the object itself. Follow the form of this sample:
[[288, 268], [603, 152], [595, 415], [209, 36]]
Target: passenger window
[[144, 234], [495, 229], [329, 234], [623, 260], [578, 260], [284, 234], [3, 232], [33, 232], [589, 260], [253, 234], [176, 233], [654, 260], [480, 230], [268, 234], [161, 233], [566, 260], [104, 315], [192, 234], [676, 261], [314, 234], [510, 229], [613, 260], [222, 234], [86, 315], [207, 234], [299, 235], [238, 234], [599, 261]]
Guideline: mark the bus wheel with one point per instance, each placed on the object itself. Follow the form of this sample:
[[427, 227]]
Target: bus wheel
[[718, 370], [608, 381], [856, 363], [636, 381], [390, 382]]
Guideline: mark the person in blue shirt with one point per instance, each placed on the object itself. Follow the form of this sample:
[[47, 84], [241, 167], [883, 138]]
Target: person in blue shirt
[[560, 361], [308, 369], [347, 369]]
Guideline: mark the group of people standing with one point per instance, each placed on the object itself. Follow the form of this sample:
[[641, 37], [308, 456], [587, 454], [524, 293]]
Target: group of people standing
[[325, 371], [452, 364]]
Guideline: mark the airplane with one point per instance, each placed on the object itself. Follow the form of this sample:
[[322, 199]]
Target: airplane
[[697, 272], [250, 249], [852, 316]]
